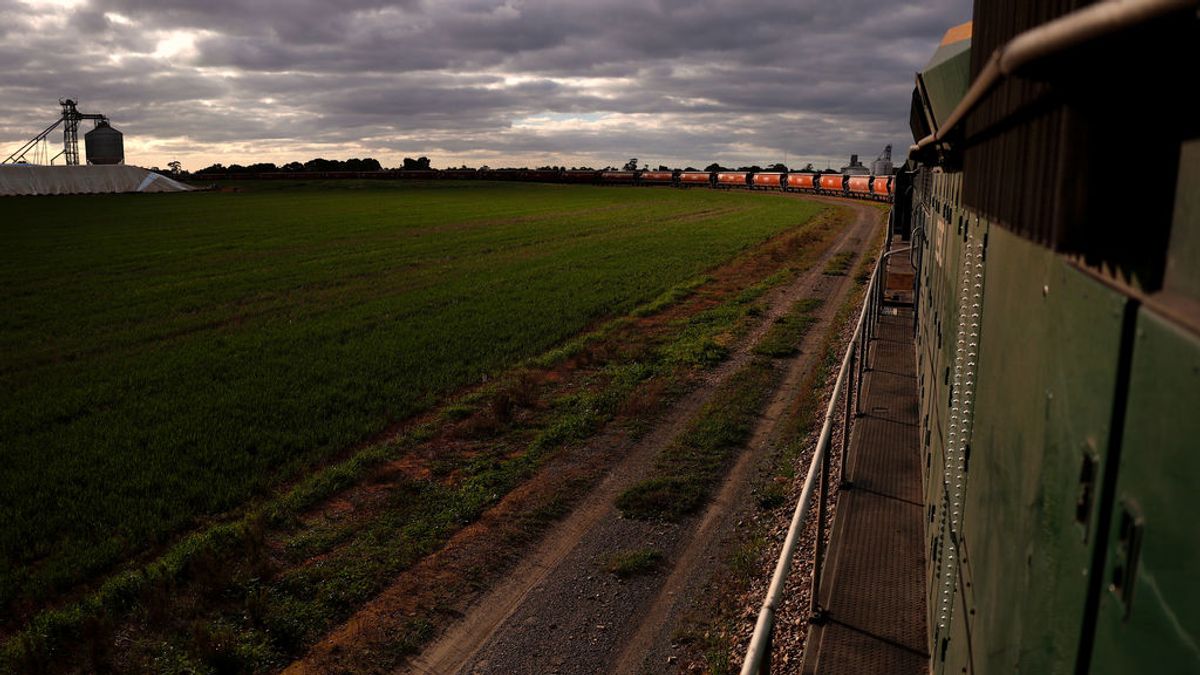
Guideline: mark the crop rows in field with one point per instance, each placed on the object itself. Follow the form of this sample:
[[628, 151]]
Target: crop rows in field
[[168, 357]]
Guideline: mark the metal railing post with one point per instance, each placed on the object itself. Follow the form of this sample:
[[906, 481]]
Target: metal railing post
[[765, 667], [877, 301], [863, 349], [814, 605], [870, 298], [852, 396]]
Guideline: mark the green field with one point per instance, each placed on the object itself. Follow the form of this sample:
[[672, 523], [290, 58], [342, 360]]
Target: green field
[[167, 357]]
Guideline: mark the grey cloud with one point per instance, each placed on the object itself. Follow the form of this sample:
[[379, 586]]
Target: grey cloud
[[452, 77]]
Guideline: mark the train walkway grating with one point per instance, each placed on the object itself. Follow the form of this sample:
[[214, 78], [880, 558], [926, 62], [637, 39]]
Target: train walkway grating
[[873, 590]]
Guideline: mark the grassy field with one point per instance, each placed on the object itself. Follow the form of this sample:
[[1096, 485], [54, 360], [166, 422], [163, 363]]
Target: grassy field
[[167, 357]]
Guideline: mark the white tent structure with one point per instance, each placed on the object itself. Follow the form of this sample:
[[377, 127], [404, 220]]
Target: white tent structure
[[29, 179]]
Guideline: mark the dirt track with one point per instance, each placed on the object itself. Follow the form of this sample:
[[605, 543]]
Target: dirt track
[[557, 610]]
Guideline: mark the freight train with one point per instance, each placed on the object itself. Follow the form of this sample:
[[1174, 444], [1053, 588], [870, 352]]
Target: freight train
[[1058, 339], [875, 188]]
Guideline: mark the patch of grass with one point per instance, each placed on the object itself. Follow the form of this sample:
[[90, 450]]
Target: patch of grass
[[414, 633], [335, 565], [457, 411], [690, 467], [626, 564], [169, 357], [672, 297], [286, 609], [839, 264], [773, 495], [785, 335]]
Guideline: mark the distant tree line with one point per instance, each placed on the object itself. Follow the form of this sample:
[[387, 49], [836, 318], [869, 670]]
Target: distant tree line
[[318, 165], [422, 163]]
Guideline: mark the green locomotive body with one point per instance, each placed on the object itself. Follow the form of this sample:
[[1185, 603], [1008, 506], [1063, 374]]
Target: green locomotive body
[[1058, 340]]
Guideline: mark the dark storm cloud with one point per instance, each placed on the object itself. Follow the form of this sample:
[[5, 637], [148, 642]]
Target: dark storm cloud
[[686, 81]]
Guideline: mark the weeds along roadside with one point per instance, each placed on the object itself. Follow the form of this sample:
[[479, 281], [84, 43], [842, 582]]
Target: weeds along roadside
[[278, 578], [712, 635], [687, 471]]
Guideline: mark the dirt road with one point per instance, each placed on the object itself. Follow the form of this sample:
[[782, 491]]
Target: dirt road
[[558, 611]]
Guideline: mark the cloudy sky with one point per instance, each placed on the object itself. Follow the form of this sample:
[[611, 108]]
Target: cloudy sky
[[497, 82]]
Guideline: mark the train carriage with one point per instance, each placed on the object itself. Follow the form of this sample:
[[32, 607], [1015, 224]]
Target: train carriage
[[801, 181], [695, 179], [583, 177], [767, 180], [618, 177], [833, 183], [881, 188], [732, 179], [658, 177], [859, 186]]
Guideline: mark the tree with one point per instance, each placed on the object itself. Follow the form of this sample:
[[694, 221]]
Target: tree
[[175, 167], [320, 164], [631, 165], [419, 164], [364, 164], [663, 167], [714, 167], [778, 166]]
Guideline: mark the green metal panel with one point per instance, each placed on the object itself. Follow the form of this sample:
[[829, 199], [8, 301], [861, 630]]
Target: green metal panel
[[1157, 627], [950, 229], [947, 78], [1047, 374]]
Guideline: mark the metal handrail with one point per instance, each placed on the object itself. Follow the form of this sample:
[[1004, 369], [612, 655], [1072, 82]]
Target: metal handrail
[[758, 655]]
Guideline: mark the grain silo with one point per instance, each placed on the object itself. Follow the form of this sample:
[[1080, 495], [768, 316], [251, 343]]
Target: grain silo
[[882, 166], [104, 145]]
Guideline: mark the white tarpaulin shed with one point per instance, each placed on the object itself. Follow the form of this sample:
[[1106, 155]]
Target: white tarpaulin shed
[[28, 179]]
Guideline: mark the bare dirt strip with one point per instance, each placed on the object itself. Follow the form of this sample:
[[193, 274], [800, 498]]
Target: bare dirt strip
[[556, 610]]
